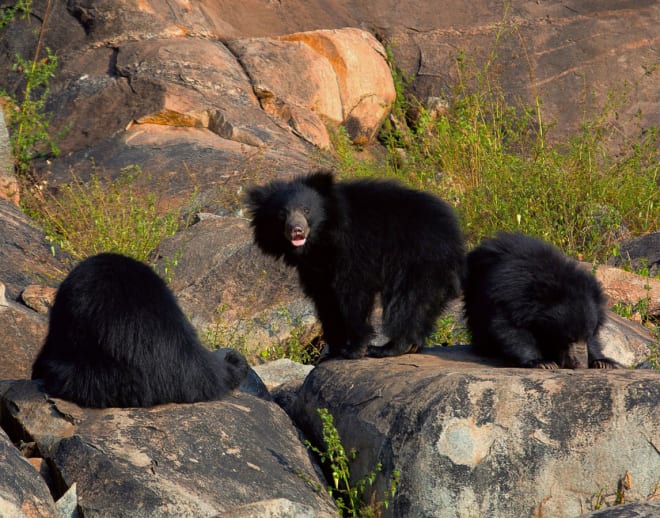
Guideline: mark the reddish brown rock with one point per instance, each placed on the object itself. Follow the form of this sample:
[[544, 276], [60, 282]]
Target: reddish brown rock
[[39, 298], [23, 331], [309, 78], [365, 82], [629, 288]]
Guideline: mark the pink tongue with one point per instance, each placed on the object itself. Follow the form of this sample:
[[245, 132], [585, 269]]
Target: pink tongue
[[298, 242]]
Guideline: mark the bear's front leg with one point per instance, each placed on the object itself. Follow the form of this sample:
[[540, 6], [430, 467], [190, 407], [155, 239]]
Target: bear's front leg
[[345, 321]]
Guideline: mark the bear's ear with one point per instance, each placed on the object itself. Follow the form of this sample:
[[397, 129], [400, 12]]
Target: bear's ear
[[255, 197], [321, 181]]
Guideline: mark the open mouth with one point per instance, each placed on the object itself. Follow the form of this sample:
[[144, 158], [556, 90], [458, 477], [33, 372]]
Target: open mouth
[[298, 237]]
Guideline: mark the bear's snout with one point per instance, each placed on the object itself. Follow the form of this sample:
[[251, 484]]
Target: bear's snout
[[297, 228]]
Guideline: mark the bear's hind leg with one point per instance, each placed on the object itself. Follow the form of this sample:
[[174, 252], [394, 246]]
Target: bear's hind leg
[[408, 320]]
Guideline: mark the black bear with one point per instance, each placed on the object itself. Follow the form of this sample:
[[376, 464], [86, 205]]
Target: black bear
[[118, 338], [353, 240], [529, 304]]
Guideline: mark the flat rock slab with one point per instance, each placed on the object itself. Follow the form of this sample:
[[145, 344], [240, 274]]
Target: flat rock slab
[[471, 439], [204, 459]]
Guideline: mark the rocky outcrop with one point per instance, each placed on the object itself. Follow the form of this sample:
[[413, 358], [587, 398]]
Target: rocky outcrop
[[628, 288], [9, 189], [471, 440], [26, 257], [236, 457], [166, 91], [638, 253], [314, 78], [233, 293], [23, 492]]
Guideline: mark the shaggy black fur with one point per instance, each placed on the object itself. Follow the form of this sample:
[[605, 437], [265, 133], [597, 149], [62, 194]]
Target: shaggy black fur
[[528, 303], [352, 240], [117, 338]]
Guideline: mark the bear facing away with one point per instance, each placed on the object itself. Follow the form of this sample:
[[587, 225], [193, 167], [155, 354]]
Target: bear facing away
[[117, 338], [350, 241], [528, 303]]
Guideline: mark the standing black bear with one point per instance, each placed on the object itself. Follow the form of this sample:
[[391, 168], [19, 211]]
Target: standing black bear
[[352, 240], [117, 337], [525, 301]]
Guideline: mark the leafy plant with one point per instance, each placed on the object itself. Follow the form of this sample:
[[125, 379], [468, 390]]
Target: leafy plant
[[235, 329], [21, 9], [349, 496], [89, 217], [497, 164], [449, 331], [28, 122], [299, 346]]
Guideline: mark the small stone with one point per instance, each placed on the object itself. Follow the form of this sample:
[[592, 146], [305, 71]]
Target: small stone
[[39, 298]]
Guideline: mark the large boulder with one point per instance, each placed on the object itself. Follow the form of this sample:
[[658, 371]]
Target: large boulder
[[330, 76], [472, 440], [234, 295], [26, 259], [26, 256], [630, 289], [237, 457]]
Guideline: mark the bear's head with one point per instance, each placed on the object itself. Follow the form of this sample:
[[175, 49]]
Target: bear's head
[[287, 216]]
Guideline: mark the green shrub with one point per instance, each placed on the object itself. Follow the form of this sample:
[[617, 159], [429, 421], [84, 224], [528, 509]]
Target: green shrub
[[21, 9], [89, 217], [350, 496], [495, 162], [27, 121]]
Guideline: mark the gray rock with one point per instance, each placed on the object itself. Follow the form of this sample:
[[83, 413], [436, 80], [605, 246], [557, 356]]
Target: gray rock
[[22, 331], [282, 371], [473, 440], [235, 295], [23, 492], [634, 510], [639, 252], [206, 459], [625, 341], [26, 257]]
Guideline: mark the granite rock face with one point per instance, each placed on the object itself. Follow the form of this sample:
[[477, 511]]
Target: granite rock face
[[473, 440], [206, 459]]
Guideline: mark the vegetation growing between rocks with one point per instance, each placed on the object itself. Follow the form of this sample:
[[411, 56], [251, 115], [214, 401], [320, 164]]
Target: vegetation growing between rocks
[[236, 330], [498, 166], [28, 122], [350, 496], [98, 215]]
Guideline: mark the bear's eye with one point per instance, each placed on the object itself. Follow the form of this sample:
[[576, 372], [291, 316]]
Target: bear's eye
[[281, 215], [305, 211]]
